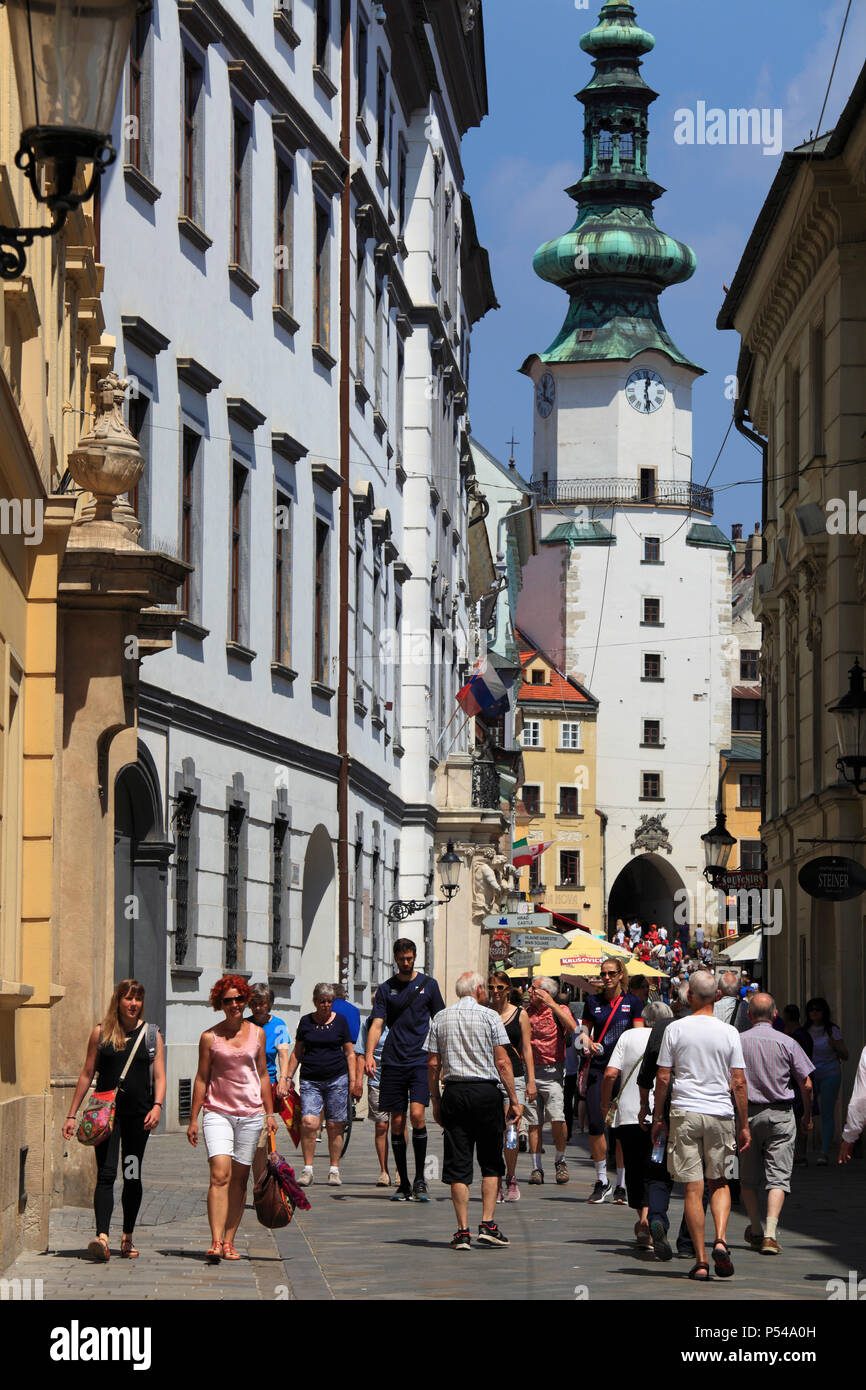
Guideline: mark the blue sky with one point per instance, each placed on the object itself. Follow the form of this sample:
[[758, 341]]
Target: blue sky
[[774, 53]]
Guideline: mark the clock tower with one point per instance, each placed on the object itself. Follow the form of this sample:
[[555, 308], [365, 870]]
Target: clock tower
[[630, 591]]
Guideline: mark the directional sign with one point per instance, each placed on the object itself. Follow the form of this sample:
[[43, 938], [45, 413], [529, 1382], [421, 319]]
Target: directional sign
[[535, 941], [516, 921], [521, 960]]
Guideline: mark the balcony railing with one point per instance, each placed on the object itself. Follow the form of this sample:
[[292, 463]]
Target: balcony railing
[[664, 492]]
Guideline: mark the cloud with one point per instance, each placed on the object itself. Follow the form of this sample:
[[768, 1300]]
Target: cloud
[[804, 94], [527, 203]]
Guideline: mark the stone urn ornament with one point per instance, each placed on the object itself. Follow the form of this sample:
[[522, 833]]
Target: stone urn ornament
[[108, 464]]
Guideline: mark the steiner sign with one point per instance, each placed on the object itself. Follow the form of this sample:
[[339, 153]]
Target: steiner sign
[[832, 878]]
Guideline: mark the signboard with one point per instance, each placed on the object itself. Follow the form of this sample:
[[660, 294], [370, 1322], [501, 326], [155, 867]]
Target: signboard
[[534, 941], [500, 945], [832, 878], [575, 962], [522, 960], [736, 879], [516, 921]]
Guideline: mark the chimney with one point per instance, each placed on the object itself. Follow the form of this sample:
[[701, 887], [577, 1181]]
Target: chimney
[[754, 549], [737, 531], [739, 546]]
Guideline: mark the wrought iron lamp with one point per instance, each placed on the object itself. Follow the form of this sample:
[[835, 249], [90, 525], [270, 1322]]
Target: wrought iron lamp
[[69, 57], [850, 716], [449, 869], [718, 843]]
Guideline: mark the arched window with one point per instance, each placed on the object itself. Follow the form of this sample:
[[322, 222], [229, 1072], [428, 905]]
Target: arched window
[[626, 147], [605, 145]]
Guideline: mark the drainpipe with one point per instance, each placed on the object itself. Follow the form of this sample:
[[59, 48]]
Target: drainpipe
[[345, 501]]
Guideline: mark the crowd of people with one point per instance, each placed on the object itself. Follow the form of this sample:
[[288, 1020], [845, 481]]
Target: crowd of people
[[668, 1090]]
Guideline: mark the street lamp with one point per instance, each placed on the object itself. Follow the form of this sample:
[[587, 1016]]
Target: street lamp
[[718, 843], [449, 869], [850, 716], [69, 57]]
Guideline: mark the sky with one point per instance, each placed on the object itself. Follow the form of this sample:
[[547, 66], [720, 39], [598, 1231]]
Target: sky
[[774, 54]]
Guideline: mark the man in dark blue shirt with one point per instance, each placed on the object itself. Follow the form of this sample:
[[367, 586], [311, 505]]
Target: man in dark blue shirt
[[351, 1014], [406, 1003]]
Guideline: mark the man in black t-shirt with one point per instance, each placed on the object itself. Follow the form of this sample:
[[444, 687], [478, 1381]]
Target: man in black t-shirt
[[406, 1003]]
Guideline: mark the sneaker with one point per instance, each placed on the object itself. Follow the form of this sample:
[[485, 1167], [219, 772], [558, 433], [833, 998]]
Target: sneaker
[[620, 1196], [383, 1180], [513, 1191], [306, 1178], [600, 1191], [403, 1194], [490, 1234], [770, 1246], [561, 1171], [461, 1240], [419, 1191], [536, 1177], [334, 1179], [661, 1244]]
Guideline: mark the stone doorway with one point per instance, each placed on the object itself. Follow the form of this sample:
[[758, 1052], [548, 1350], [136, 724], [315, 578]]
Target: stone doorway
[[141, 855]]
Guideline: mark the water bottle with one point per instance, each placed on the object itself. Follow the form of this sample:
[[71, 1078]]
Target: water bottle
[[511, 1137], [658, 1152]]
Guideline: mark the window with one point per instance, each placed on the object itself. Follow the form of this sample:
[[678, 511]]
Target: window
[[652, 550], [323, 33], [363, 57], [278, 890], [139, 151], [647, 484], [190, 443], [402, 164], [532, 800], [396, 668], [626, 146], [193, 166], [182, 823], [321, 604], [381, 109], [605, 146], [751, 856], [652, 666], [283, 580], [531, 733], [284, 235], [376, 624], [398, 403], [569, 734], [322, 277], [749, 666], [746, 715], [240, 191], [538, 677], [568, 802], [652, 612], [750, 791], [651, 786], [652, 733], [535, 873], [378, 342], [360, 308], [569, 868], [139, 425], [238, 552], [234, 827]]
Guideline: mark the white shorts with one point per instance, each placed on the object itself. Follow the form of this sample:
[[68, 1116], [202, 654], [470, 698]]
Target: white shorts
[[235, 1135]]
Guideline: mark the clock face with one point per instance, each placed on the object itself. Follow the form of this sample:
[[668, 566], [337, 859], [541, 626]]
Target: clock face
[[645, 391], [545, 395]]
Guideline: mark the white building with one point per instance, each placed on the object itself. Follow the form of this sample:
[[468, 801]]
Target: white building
[[631, 591], [292, 277]]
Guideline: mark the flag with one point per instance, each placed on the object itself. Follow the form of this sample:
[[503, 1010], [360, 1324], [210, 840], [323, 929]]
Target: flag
[[484, 693], [523, 853]]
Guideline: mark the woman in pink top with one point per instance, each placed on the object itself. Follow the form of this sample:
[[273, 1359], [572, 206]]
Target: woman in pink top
[[231, 1086]]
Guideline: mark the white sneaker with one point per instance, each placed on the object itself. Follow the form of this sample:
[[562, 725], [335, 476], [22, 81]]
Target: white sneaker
[[334, 1179], [306, 1178]]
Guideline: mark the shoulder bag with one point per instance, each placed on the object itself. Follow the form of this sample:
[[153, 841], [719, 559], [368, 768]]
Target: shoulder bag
[[97, 1119], [584, 1071]]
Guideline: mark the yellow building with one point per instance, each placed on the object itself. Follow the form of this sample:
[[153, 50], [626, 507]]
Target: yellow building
[[557, 802]]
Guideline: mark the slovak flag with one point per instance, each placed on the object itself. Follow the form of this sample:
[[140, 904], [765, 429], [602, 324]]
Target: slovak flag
[[484, 693]]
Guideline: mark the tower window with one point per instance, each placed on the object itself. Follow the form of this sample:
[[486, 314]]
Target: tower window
[[626, 146], [605, 144]]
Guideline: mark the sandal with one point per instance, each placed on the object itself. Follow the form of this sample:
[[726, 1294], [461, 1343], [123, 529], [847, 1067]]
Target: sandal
[[214, 1254], [127, 1249], [229, 1252], [722, 1262], [695, 1272], [98, 1249]]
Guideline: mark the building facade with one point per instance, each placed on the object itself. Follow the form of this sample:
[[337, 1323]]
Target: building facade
[[298, 337], [799, 305], [630, 593]]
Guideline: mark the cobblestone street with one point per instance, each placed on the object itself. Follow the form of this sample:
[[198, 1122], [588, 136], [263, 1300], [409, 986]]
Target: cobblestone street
[[354, 1244]]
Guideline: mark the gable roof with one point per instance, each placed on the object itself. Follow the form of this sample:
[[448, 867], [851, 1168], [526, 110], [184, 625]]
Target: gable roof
[[561, 689]]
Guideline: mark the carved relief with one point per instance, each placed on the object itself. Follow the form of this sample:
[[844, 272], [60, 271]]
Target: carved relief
[[651, 835]]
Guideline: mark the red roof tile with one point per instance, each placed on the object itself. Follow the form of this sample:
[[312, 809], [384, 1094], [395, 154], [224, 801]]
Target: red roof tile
[[560, 690]]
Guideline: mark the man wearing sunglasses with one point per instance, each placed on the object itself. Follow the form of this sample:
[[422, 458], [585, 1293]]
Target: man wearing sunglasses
[[606, 1016]]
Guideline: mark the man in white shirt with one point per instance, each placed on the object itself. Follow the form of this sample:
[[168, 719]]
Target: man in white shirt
[[704, 1057], [855, 1120]]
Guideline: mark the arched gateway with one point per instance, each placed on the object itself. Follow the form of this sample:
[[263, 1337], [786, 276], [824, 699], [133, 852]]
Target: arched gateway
[[644, 891]]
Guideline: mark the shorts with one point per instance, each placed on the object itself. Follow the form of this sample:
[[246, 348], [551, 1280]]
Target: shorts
[[550, 1101], [700, 1146], [595, 1118], [473, 1122], [401, 1086], [374, 1109], [330, 1096], [771, 1152], [234, 1135], [520, 1088]]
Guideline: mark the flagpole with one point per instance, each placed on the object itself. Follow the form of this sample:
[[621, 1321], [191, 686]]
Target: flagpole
[[459, 710], [459, 732]]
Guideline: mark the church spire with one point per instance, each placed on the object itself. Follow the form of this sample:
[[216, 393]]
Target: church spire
[[615, 262]]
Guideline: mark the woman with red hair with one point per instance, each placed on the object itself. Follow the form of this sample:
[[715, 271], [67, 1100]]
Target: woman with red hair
[[232, 1086]]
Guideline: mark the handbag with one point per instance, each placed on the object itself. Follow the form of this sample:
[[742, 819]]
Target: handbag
[[584, 1071], [289, 1109], [97, 1118], [275, 1192]]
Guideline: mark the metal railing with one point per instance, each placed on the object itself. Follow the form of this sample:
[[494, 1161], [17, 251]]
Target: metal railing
[[664, 492]]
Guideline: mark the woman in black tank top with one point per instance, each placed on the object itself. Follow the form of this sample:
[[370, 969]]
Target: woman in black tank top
[[516, 1026]]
